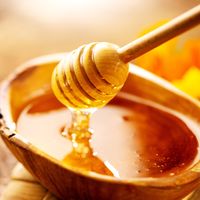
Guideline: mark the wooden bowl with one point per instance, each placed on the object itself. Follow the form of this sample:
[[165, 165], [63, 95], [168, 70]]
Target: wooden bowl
[[69, 184]]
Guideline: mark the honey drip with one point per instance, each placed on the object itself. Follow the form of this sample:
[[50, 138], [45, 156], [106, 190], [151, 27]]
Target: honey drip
[[82, 157]]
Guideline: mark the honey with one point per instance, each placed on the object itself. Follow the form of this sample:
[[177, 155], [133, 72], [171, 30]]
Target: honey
[[128, 137]]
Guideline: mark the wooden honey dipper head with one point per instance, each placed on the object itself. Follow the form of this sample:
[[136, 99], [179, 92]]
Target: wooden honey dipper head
[[90, 76]]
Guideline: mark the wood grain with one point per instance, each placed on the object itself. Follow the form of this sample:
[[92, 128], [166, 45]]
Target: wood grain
[[90, 76], [7, 162], [24, 187]]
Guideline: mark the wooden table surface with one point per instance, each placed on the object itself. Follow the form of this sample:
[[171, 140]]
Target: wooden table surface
[[28, 29], [23, 186]]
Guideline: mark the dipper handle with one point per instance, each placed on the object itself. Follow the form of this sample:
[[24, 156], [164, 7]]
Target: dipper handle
[[90, 76], [160, 35]]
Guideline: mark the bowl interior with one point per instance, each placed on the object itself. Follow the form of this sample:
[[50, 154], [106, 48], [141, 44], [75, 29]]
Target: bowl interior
[[33, 79]]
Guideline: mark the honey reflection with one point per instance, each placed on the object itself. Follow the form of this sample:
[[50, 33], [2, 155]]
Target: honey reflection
[[82, 157]]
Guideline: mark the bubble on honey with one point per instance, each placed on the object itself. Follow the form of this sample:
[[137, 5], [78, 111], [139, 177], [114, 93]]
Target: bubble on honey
[[139, 158], [155, 164], [182, 164], [126, 118], [138, 155], [168, 158], [63, 131]]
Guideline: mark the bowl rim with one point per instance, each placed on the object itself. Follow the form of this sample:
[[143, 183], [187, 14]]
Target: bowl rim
[[7, 131]]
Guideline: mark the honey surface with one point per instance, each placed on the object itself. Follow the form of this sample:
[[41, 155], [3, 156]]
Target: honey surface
[[130, 139]]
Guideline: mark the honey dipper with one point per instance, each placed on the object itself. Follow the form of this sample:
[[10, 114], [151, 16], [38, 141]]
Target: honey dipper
[[93, 74]]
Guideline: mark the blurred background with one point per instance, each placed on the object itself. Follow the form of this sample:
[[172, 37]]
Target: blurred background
[[31, 28]]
